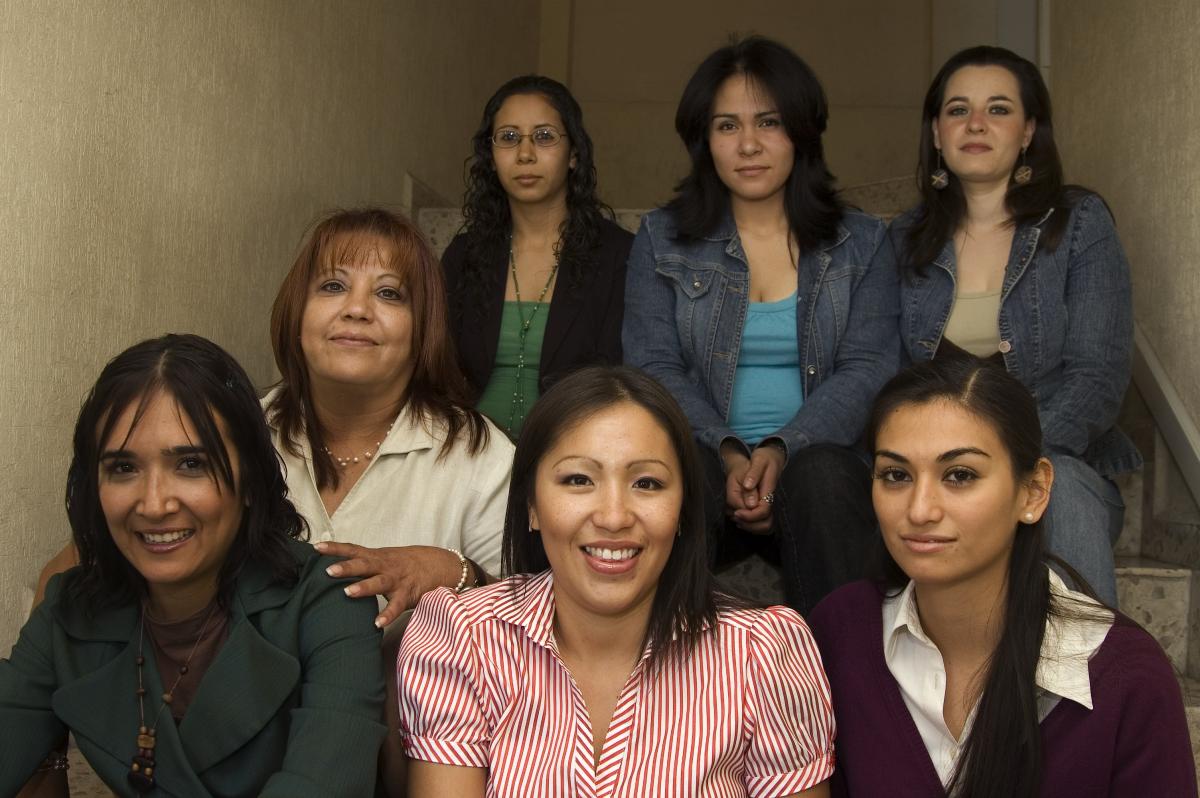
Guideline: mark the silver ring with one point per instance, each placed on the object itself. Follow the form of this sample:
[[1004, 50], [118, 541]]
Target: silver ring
[[769, 498]]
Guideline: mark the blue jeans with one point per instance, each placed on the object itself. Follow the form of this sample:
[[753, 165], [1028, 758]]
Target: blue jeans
[[1083, 522]]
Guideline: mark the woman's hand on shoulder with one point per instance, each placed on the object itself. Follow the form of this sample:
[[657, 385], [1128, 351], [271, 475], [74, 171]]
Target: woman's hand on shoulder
[[401, 574]]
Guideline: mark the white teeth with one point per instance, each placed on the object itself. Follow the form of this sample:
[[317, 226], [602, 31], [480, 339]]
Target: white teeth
[[611, 554], [166, 537]]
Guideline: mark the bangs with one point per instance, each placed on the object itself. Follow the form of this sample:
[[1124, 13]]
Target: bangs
[[394, 250], [189, 406]]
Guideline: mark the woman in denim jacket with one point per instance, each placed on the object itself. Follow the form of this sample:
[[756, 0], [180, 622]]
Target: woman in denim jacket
[[1004, 261], [752, 298]]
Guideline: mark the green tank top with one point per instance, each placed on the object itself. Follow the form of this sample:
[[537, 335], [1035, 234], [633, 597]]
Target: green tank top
[[513, 386]]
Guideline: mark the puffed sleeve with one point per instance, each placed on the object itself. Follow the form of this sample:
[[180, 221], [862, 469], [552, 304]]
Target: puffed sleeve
[[27, 682], [442, 717], [789, 711]]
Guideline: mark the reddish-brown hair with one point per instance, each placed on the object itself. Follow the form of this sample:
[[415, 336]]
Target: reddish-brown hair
[[437, 391]]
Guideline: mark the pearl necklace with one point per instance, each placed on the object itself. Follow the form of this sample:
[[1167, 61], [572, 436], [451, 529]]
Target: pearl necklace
[[345, 462], [518, 403]]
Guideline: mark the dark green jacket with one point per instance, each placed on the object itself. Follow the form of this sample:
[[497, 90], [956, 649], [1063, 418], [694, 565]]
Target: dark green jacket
[[291, 706]]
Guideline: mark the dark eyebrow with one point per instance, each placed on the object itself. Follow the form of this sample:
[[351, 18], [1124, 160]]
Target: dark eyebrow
[[993, 98], [953, 454], [174, 451]]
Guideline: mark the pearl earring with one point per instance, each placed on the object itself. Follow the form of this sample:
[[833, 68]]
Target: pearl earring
[[1029, 518]]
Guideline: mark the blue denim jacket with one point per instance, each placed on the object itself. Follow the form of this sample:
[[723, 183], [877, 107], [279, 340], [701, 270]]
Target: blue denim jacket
[[686, 305], [1066, 328]]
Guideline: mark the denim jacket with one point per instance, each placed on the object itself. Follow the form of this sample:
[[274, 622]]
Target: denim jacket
[[685, 309], [1066, 328]]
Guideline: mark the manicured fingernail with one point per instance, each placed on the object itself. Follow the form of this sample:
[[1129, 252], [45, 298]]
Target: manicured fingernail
[[351, 591], [334, 570], [749, 483], [379, 624], [320, 546]]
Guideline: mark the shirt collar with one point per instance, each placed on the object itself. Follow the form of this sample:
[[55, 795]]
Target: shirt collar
[[1067, 643], [529, 603], [409, 432], [726, 230]]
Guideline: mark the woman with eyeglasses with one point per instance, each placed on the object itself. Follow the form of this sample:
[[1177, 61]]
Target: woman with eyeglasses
[[752, 296], [536, 278]]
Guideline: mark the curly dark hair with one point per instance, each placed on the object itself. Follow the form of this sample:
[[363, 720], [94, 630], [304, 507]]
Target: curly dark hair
[[210, 389], [487, 220]]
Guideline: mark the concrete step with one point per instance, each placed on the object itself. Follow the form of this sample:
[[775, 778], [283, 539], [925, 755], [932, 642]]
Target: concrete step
[[1157, 596], [1129, 544]]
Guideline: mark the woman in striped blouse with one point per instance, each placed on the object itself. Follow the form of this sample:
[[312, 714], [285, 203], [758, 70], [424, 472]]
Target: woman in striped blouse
[[607, 664]]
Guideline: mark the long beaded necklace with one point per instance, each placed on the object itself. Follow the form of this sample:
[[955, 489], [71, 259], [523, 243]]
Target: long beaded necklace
[[344, 462], [518, 403], [141, 769]]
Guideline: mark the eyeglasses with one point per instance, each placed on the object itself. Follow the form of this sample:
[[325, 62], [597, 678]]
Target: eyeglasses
[[507, 138]]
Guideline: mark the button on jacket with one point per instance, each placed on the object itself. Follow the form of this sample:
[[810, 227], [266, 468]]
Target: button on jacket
[[686, 305], [1066, 328]]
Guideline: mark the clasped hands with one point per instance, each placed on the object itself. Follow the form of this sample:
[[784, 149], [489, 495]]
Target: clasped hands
[[748, 483]]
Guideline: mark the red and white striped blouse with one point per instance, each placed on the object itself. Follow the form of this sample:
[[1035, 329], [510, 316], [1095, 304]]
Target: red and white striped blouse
[[482, 685]]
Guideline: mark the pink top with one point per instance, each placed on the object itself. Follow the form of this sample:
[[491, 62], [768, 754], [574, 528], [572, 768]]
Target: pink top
[[482, 685]]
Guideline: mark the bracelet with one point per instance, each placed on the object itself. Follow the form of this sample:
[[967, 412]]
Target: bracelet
[[466, 569], [55, 761]]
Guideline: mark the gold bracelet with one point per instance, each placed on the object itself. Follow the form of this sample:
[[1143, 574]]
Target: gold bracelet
[[466, 569]]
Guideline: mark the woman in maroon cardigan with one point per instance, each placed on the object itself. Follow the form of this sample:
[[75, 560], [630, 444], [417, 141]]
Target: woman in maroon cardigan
[[969, 668]]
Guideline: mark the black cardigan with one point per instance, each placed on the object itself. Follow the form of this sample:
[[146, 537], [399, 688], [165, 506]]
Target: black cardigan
[[584, 326]]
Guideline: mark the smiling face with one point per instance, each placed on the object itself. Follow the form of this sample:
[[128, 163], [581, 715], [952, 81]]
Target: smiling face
[[750, 148], [946, 496], [982, 127], [529, 173], [607, 498], [166, 510], [357, 327]]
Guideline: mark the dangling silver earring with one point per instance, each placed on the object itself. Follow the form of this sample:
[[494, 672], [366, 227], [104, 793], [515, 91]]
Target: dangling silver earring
[[1024, 172], [939, 178]]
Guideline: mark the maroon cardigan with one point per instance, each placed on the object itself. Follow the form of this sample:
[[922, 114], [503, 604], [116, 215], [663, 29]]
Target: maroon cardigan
[[1133, 742]]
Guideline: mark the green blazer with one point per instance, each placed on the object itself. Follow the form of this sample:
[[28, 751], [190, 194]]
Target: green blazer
[[291, 706]]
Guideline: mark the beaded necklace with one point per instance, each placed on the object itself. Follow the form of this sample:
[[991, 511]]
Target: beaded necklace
[[518, 402], [141, 769], [345, 462]]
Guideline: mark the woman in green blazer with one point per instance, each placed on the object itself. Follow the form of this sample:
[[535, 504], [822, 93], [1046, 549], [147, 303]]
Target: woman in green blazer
[[199, 648]]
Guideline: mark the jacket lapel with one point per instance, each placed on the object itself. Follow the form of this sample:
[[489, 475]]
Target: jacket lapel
[[246, 684], [101, 708], [566, 305]]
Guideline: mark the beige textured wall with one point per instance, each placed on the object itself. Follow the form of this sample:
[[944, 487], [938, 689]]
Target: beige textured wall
[[160, 161], [630, 60], [1126, 78]]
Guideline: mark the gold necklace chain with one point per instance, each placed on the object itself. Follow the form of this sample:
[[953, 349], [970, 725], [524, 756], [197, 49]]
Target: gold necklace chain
[[518, 402]]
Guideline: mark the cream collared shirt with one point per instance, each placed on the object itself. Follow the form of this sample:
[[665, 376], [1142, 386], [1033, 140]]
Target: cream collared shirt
[[408, 497], [916, 664]]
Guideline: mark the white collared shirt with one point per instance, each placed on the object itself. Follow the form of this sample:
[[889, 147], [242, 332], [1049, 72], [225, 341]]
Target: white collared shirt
[[409, 497], [916, 664]]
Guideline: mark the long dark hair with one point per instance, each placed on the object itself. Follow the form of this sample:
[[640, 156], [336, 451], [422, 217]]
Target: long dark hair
[[1002, 756], [685, 603], [210, 389], [941, 212], [810, 201], [487, 218], [437, 391]]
